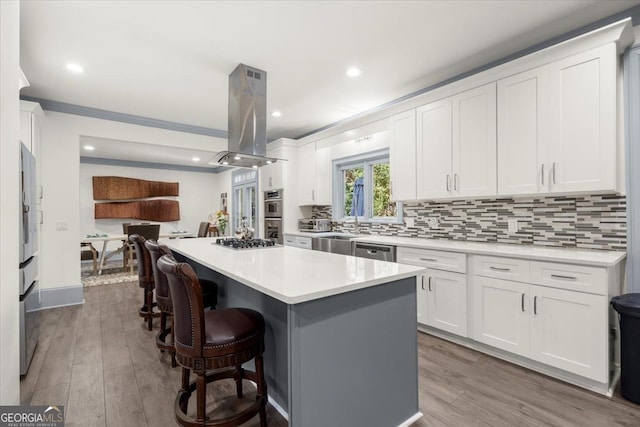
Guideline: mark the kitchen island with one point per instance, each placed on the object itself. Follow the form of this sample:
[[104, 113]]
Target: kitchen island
[[341, 345]]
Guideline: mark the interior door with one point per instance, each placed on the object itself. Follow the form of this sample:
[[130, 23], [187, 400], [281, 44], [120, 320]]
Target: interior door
[[245, 199]]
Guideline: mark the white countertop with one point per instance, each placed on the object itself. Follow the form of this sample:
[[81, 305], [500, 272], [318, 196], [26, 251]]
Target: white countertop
[[539, 253], [319, 234], [292, 275]]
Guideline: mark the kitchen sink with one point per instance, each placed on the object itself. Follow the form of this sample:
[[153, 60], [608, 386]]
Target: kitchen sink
[[333, 244]]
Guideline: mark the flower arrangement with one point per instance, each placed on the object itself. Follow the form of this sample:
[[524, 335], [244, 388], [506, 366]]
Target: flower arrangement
[[221, 219]]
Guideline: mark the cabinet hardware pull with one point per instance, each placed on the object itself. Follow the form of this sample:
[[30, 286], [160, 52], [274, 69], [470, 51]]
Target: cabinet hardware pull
[[429, 259], [448, 182], [423, 282], [455, 182], [553, 172], [270, 181], [313, 195], [498, 268], [542, 174], [522, 302], [535, 305], [560, 276], [429, 283]]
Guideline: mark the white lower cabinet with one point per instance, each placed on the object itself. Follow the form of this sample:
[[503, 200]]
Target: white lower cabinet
[[569, 331], [447, 301], [500, 317], [561, 328], [441, 294], [297, 241]]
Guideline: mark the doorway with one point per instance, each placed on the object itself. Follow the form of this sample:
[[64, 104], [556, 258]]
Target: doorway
[[245, 199]]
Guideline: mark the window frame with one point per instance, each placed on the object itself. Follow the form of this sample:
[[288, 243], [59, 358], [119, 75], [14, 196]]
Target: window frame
[[367, 161]]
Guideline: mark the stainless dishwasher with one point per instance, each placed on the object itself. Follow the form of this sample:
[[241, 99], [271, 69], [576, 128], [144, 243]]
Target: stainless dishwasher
[[375, 251]]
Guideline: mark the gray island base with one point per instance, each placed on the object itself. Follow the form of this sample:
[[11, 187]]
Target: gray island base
[[348, 359]]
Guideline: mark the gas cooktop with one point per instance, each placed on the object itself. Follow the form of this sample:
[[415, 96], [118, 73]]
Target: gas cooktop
[[234, 243]]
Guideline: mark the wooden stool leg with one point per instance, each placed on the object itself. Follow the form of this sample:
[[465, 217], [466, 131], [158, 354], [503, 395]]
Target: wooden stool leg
[[238, 377], [185, 388], [150, 309], [261, 393], [173, 353], [201, 390]]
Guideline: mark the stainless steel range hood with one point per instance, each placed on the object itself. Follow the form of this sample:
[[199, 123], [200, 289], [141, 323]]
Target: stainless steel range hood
[[247, 140]]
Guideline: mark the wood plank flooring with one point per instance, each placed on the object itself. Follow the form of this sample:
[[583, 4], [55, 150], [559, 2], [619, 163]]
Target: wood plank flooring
[[99, 361]]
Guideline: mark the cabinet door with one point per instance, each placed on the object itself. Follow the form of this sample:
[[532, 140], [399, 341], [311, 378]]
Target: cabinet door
[[433, 150], [307, 174], [583, 121], [421, 298], [447, 301], [501, 314], [569, 331], [402, 156], [523, 113], [474, 142], [324, 177]]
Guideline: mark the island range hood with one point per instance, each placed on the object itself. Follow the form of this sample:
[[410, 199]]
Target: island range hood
[[247, 139]]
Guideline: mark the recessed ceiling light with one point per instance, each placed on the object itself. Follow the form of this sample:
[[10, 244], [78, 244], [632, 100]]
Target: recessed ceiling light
[[276, 113], [269, 162], [195, 159], [89, 147], [255, 166], [76, 68], [354, 72]]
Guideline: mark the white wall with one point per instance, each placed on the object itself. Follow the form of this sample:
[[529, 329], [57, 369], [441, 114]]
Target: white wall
[[60, 173], [198, 198], [9, 197]]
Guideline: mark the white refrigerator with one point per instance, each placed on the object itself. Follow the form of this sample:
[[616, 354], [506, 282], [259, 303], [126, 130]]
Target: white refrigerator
[[28, 279]]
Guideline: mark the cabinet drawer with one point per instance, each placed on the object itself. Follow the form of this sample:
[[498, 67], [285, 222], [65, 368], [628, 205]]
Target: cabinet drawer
[[448, 261], [572, 277], [501, 268], [289, 240], [303, 242]]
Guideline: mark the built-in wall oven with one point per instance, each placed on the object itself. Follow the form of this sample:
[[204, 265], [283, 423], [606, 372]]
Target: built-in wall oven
[[273, 204], [273, 216]]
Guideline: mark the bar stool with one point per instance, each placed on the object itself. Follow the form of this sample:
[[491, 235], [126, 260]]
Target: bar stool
[[218, 339], [163, 298], [145, 279]]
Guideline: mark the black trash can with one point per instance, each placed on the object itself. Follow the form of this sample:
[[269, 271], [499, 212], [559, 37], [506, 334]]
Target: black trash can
[[628, 308]]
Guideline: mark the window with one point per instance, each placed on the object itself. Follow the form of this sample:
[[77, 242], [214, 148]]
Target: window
[[363, 188]]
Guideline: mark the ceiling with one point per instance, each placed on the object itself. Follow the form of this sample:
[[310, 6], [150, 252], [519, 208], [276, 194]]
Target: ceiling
[[170, 60]]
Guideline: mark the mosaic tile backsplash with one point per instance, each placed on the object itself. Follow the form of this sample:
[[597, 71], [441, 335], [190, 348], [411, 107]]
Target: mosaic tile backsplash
[[588, 222]]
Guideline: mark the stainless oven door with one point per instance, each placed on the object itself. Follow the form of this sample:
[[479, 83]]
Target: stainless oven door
[[273, 209], [273, 230]]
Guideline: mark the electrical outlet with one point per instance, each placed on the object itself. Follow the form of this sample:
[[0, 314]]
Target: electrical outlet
[[410, 221], [432, 222], [512, 225]]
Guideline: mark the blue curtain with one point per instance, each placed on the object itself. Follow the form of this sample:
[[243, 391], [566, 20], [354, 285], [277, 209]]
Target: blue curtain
[[357, 204]]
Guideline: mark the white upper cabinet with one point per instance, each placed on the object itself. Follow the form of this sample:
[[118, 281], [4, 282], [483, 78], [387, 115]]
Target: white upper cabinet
[[523, 115], [402, 156], [307, 174], [557, 126], [433, 151], [474, 142], [456, 145], [31, 118], [583, 110], [271, 176], [314, 175]]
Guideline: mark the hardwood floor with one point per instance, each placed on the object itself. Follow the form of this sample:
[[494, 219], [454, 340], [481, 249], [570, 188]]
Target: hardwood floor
[[99, 361]]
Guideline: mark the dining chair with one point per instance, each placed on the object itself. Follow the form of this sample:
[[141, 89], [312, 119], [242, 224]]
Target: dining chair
[[148, 231]]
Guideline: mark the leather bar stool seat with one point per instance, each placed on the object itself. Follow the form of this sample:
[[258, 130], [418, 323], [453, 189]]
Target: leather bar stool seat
[[163, 298], [219, 341], [145, 279]]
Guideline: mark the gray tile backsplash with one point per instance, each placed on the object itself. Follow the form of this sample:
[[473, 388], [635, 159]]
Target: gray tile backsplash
[[591, 221]]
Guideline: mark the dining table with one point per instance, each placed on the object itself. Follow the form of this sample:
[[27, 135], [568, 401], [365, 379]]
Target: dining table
[[106, 238]]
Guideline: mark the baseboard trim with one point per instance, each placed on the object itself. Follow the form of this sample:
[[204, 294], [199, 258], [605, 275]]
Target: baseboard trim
[[415, 417], [61, 297]]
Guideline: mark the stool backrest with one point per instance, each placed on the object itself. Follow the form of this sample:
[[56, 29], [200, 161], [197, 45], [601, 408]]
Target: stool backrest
[[145, 274], [157, 250], [203, 230], [188, 311]]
